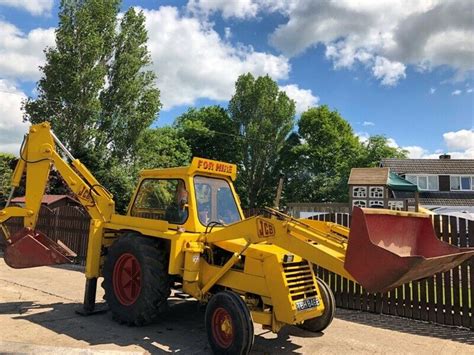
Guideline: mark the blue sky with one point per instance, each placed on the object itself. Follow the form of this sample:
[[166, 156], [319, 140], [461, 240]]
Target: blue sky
[[404, 72]]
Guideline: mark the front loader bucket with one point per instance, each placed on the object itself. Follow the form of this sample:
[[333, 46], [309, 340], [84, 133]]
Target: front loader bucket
[[28, 248], [387, 249]]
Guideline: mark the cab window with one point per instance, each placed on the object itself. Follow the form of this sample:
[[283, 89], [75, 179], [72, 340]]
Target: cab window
[[164, 199], [215, 201]]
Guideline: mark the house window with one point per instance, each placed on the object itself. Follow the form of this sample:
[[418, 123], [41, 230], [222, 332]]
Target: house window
[[359, 191], [424, 182], [359, 203], [395, 205], [461, 183], [376, 192], [376, 203]]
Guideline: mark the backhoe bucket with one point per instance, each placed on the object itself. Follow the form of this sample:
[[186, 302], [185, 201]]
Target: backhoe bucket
[[387, 249], [28, 248]]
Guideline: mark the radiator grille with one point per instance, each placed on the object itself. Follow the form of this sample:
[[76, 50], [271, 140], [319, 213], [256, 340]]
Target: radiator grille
[[299, 278]]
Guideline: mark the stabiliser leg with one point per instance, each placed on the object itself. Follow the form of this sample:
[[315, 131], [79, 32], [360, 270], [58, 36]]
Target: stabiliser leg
[[90, 307]]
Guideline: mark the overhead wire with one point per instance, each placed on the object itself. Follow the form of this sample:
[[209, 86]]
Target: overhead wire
[[239, 136]]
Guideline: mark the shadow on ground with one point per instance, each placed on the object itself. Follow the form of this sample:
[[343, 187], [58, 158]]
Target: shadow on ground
[[405, 325], [180, 330]]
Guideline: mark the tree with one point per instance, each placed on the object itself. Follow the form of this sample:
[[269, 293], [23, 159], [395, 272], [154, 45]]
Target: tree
[[264, 116], [377, 148], [163, 148], [210, 133], [96, 90], [6, 162], [328, 152], [75, 72], [131, 101]]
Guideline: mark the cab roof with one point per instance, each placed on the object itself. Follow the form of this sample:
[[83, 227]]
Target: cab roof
[[198, 166]]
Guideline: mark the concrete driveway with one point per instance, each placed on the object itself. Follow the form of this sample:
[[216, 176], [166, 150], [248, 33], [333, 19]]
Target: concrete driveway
[[37, 316]]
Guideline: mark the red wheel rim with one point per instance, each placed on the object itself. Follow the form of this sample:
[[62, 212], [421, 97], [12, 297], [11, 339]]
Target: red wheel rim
[[222, 328], [127, 279]]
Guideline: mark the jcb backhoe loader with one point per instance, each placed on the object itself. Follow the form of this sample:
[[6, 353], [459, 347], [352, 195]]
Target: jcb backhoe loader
[[184, 227]]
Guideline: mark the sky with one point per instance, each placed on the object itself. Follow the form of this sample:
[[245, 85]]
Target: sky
[[400, 68]]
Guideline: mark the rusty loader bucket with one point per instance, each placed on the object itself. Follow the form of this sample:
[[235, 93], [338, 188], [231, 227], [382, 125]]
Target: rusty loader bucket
[[388, 249], [28, 248]]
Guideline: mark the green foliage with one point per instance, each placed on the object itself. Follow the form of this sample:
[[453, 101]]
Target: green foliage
[[377, 148], [323, 160], [6, 171], [130, 102], [96, 91], [157, 148], [162, 148], [264, 116], [210, 133], [75, 72]]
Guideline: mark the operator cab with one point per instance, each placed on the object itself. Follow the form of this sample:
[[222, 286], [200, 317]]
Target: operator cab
[[197, 197]]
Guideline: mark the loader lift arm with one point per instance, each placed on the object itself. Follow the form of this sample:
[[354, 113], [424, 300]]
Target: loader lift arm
[[405, 250]]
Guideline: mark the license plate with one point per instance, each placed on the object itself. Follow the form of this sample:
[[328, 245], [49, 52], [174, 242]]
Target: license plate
[[307, 304]]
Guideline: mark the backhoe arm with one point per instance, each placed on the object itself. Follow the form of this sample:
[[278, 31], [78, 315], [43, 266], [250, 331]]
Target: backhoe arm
[[38, 154]]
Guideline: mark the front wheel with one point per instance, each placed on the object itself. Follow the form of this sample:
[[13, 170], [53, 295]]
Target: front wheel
[[320, 323], [136, 280], [229, 325]]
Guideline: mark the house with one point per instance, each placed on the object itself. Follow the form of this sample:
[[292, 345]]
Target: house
[[442, 182], [380, 188], [51, 201]]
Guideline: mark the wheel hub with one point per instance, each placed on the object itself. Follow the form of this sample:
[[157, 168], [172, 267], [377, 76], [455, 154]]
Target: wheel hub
[[222, 327], [127, 279]]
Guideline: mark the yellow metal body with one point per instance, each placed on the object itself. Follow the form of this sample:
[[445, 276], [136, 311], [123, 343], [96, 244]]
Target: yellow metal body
[[269, 259]]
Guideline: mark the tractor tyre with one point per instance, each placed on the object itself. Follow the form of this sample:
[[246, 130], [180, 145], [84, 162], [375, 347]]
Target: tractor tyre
[[318, 324], [136, 280], [229, 324]]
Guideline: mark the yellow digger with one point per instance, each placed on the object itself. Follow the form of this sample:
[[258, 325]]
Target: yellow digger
[[184, 228]]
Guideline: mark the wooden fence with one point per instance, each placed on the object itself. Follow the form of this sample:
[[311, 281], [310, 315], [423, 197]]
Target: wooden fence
[[446, 298]]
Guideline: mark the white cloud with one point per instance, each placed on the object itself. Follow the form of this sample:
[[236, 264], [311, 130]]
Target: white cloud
[[34, 7], [363, 136], [416, 152], [238, 9], [462, 139], [241, 9], [303, 98], [21, 54], [12, 127], [469, 91], [192, 61], [426, 34], [392, 143], [460, 145], [432, 91], [368, 123], [456, 92], [388, 72]]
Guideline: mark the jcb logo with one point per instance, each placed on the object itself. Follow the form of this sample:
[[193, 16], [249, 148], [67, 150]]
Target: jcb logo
[[85, 195], [265, 229]]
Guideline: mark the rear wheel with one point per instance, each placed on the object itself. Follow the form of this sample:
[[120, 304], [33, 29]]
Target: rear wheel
[[320, 323], [229, 324], [136, 280]]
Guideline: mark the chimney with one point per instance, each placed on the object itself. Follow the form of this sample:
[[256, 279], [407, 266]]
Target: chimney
[[445, 156]]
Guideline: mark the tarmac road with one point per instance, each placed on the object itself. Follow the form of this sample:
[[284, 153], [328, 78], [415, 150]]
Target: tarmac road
[[37, 316]]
